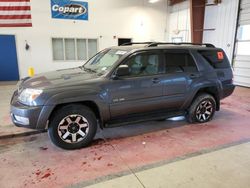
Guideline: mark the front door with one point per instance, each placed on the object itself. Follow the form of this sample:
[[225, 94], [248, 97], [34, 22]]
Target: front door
[[8, 58], [141, 91]]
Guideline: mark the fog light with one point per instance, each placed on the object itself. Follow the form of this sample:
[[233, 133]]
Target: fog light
[[22, 120]]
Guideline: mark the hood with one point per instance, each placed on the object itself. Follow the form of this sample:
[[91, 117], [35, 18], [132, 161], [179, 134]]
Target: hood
[[59, 78]]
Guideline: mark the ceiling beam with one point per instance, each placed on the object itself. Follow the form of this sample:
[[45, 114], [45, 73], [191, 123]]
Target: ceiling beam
[[173, 2]]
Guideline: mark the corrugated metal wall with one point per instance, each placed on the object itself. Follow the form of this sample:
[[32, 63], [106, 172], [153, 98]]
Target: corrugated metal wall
[[220, 22], [241, 64]]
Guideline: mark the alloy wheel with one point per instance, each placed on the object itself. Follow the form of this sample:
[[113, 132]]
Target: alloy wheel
[[204, 111], [73, 128]]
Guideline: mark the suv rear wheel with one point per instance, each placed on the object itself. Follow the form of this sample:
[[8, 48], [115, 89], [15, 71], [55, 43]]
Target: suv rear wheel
[[72, 127], [202, 109]]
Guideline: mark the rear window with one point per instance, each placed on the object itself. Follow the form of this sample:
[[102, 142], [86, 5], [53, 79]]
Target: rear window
[[216, 58], [179, 62]]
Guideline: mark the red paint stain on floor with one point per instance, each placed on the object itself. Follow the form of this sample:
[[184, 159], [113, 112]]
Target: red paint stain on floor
[[46, 175], [38, 172], [43, 148], [109, 164]]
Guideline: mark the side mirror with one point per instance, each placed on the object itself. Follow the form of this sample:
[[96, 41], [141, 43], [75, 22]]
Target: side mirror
[[122, 70]]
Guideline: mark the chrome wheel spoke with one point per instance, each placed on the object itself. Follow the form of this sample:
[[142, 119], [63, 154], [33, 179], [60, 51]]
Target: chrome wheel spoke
[[63, 127], [66, 135], [73, 137], [204, 117], [209, 107], [80, 132], [205, 104], [198, 110], [69, 120], [78, 119], [208, 113], [84, 125]]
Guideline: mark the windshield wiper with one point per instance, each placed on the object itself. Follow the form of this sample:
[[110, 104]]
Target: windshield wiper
[[88, 69]]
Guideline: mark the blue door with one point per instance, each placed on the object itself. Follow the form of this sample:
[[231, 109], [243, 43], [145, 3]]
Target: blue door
[[8, 58]]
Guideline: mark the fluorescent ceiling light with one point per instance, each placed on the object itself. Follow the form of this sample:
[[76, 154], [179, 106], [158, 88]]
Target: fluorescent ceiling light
[[153, 1]]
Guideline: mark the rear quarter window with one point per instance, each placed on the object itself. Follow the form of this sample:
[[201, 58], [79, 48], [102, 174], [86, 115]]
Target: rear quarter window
[[216, 58], [179, 62]]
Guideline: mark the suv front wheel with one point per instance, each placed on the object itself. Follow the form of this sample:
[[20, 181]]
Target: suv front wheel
[[72, 127], [202, 109]]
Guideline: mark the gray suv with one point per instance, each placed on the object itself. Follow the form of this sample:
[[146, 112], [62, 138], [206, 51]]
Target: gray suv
[[126, 84]]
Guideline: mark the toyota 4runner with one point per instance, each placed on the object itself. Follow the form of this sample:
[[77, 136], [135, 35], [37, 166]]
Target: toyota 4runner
[[126, 84]]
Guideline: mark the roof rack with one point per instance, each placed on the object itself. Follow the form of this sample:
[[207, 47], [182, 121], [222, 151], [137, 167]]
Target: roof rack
[[154, 44], [132, 43]]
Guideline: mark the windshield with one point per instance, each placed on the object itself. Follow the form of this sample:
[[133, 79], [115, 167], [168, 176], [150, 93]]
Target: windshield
[[104, 61]]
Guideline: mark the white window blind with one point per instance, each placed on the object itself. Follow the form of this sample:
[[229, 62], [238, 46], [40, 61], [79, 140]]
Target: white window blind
[[92, 46], [81, 49], [70, 53], [58, 50]]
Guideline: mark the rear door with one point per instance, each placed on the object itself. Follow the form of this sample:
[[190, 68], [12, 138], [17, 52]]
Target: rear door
[[142, 90], [181, 73]]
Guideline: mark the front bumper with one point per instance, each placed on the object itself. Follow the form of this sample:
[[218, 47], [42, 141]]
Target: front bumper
[[33, 117]]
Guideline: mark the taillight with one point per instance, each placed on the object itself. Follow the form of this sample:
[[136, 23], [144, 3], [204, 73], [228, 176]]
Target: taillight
[[220, 55]]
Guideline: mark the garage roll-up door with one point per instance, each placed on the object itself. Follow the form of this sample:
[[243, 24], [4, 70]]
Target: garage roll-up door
[[241, 64]]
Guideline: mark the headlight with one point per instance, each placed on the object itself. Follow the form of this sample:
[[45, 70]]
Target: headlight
[[28, 96]]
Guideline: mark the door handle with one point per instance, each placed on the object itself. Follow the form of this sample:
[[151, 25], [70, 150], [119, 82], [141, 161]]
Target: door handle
[[156, 80], [193, 76]]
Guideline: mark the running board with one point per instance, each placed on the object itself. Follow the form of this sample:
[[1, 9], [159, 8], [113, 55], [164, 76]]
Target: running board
[[141, 118]]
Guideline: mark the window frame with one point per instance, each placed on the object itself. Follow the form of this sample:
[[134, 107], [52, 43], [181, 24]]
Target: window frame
[[179, 51], [76, 50]]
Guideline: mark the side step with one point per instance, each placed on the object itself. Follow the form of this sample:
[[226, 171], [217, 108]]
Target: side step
[[142, 118]]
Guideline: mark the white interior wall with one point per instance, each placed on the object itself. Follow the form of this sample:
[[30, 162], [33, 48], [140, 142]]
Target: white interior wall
[[222, 18], [139, 20], [179, 22]]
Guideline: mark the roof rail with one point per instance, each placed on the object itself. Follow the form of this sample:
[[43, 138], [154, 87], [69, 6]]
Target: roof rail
[[132, 43], [154, 44]]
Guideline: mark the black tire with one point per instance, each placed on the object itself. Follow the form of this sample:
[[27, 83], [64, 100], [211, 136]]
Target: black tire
[[196, 113], [63, 122]]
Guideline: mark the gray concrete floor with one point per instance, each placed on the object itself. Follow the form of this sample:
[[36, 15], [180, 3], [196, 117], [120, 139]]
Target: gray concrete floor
[[226, 168]]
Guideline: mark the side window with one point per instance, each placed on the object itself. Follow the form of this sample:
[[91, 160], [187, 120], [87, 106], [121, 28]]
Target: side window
[[179, 62], [144, 64], [190, 64]]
